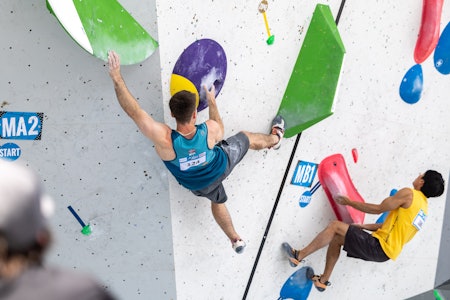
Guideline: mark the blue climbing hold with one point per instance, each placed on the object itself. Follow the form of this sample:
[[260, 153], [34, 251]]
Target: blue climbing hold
[[412, 85], [298, 285], [383, 216], [442, 52]]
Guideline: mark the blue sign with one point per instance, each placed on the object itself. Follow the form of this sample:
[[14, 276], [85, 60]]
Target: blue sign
[[305, 198], [21, 125], [10, 151], [304, 173]]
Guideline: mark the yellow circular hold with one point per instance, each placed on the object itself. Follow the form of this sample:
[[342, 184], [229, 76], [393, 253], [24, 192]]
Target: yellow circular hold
[[180, 83]]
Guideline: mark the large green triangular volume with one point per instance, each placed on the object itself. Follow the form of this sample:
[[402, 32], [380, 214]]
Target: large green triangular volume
[[311, 89]]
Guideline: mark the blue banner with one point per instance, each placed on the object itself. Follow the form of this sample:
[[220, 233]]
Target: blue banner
[[304, 173], [21, 125]]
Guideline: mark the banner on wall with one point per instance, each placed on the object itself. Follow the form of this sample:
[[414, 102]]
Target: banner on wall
[[304, 173], [21, 125]]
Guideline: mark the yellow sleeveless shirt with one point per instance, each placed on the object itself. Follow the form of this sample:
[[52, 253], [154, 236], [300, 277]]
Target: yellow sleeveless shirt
[[402, 224]]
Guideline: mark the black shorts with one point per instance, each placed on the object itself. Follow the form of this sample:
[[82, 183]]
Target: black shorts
[[361, 244]]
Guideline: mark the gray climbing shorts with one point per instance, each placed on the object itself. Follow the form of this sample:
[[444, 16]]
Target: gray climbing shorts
[[235, 147]]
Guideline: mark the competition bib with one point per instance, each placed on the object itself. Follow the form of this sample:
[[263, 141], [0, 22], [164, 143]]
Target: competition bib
[[419, 220], [192, 161]]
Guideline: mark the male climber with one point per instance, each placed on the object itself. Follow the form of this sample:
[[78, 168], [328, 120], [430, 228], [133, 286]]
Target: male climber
[[408, 210], [196, 155]]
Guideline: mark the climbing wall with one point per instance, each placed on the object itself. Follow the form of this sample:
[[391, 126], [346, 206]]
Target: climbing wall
[[90, 155], [152, 239], [395, 141]]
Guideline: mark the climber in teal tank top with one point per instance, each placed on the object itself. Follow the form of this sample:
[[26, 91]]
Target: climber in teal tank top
[[196, 165], [197, 155]]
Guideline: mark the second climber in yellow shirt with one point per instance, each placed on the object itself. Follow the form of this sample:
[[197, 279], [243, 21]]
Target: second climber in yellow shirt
[[408, 210]]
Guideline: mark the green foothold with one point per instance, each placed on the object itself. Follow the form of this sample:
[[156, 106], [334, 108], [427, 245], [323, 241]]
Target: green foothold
[[437, 295], [86, 230], [270, 40]]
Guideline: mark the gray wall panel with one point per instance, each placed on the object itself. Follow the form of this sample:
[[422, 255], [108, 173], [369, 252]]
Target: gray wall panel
[[91, 155], [443, 267]]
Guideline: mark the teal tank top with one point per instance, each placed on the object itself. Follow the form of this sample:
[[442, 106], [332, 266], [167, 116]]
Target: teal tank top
[[195, 165]]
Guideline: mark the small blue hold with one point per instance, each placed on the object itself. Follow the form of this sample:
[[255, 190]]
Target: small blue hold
[[412, 85], [383, 216], [393, 192]]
